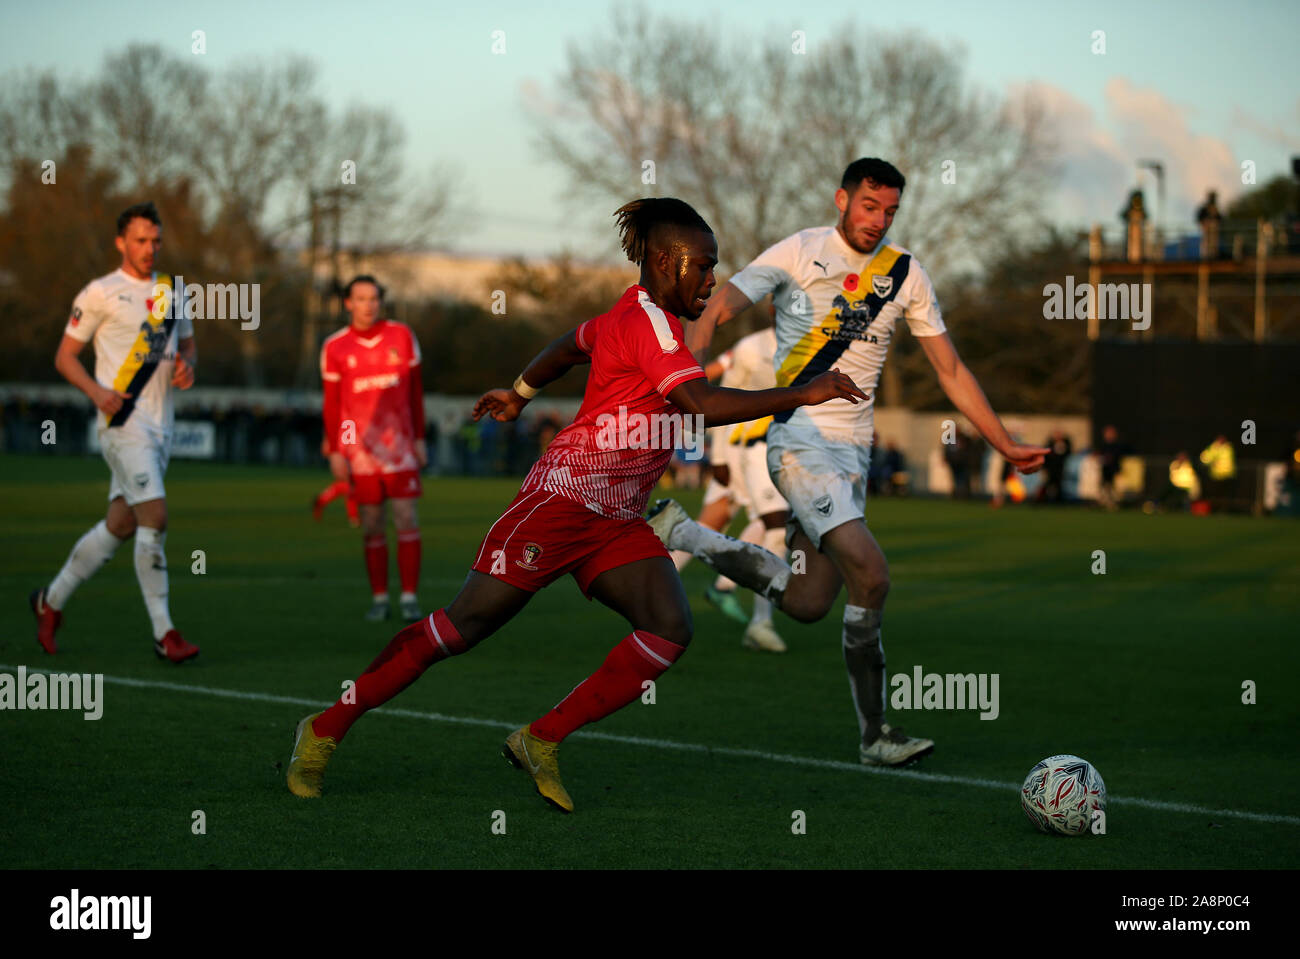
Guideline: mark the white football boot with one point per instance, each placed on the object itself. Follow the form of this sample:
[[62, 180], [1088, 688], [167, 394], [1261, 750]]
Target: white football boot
[[665, 515], [763, 636], [892, 748]]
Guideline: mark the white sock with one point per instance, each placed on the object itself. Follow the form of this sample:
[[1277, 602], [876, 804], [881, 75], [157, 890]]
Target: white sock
[[680, 558], [751, 566], [92, 551], [773, 541], [151, 571], [864, 658], [407, 598]]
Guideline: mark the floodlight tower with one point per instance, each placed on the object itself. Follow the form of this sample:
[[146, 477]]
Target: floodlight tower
[[1158, 168]]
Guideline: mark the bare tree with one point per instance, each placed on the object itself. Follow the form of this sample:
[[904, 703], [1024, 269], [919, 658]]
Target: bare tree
[[144, 104], [757, 134], [41, 119], [242, 154]]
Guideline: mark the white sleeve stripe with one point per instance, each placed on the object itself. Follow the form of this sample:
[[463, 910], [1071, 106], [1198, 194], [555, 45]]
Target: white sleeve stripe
[[331, 377], [582, 339], [668, 380], [659, 323]]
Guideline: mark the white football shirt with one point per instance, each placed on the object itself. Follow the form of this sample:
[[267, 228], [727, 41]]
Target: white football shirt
[[752, 362], [836, 308], [134, 351], [752, 368]]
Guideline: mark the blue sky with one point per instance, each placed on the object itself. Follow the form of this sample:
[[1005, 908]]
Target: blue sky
[[1204, 85]]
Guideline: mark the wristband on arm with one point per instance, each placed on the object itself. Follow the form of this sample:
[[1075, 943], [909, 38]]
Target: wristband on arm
[[523, 389]]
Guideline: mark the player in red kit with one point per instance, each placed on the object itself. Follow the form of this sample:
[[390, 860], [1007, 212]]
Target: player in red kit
[[580, 509], [374, 435]]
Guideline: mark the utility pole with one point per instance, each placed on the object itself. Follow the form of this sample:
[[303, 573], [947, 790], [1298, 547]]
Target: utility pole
[[325, 209], [1157, 221]]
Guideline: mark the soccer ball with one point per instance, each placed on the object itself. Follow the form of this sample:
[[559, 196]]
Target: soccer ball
[[1060, 794]]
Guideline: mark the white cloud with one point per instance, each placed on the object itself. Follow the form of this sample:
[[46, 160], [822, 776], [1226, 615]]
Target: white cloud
[[1275, 133], [1095, 173], [1152, 126], [1099, 156]]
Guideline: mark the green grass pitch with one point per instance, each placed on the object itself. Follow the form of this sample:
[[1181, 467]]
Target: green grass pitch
[[1139, 670]]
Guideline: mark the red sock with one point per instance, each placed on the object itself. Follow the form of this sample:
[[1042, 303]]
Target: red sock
[[403, 661], [377, 563], [639, 657], [332, 492], [408, 559]]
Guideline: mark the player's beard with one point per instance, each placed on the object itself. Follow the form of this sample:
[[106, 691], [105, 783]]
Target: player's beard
[[847, 234]]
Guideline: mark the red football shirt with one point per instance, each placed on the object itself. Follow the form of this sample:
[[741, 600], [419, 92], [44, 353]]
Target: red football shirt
[[616, 449], [374, 397]]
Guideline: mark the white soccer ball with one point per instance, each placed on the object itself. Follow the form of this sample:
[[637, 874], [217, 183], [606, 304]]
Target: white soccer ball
[[1060, 794]]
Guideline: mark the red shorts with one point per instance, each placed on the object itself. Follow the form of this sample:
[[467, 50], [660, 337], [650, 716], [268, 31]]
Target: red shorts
[[374, 488], [543, 535]]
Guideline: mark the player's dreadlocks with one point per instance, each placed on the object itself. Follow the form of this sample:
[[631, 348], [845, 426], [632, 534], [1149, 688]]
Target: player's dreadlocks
[[648, 221]]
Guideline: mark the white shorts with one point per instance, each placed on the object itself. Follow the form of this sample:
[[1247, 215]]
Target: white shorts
[[722, 453], [752, 480], [716, 491], [824, 481], [717, 438], [137, 464]]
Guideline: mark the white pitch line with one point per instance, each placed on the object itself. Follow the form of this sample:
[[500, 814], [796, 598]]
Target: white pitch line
[[729, 751]]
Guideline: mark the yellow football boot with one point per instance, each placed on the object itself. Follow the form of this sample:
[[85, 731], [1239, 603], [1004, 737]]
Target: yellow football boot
[[537, 757], [307, 764]]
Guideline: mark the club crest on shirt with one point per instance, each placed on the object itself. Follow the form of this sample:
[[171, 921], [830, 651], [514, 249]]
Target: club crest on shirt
[[881, 284], [824, 504], [531, 552], [393, 358]]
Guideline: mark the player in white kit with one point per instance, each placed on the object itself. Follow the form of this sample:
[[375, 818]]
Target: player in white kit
[[739, 480], [839, 293], [144, 346]]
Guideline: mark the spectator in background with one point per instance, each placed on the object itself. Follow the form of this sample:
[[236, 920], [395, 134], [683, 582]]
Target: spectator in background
[[1111, 453], [683, 471], [431, 434], [975, 459], [1059, 449], [548, 424], [1184, 485], [1220, 463], [957, 455], [893, 470], [1134, 216], [1208, 217], [1008, 484], [469, 444], [1291, 486]]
